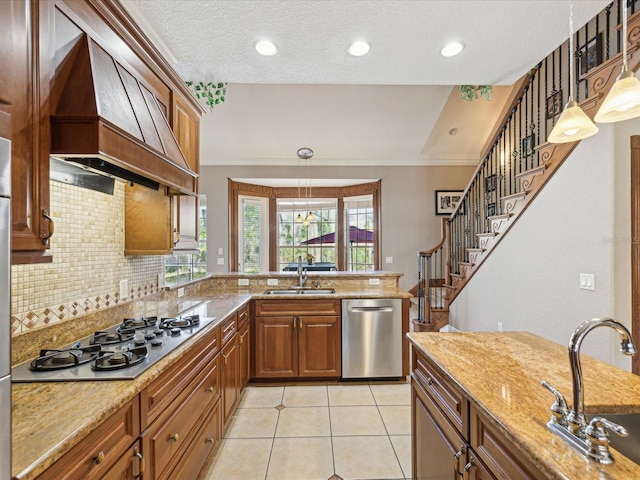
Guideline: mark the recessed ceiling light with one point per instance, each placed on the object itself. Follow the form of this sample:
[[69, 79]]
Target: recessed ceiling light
[[451, 49], [358, 48], [266, 48]]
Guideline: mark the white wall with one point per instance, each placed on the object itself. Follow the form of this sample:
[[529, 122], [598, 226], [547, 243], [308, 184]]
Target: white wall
[[409, 223], [578, 223]]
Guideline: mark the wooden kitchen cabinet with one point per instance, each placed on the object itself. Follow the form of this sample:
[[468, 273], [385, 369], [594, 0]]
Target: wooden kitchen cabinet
[[230, 379], [297, 338], [26, 72], [108, 449], [244, 346], [130, 465], [451, 438]]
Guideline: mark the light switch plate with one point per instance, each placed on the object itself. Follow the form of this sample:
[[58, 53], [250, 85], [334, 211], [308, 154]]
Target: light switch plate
[[388, 260], [243, 282], [160, 280], [220, 261], [272, 281], [220, 251], [181, 292], [124, 289], [587, 281]]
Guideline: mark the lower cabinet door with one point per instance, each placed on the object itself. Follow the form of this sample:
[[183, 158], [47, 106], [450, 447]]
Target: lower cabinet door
[[230, 378], [245, 354], [438, 451], [130, 466], [276, 347], [319, 348]]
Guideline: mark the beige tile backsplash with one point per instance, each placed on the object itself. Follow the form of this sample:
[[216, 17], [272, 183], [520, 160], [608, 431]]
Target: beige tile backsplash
[[88, 262]]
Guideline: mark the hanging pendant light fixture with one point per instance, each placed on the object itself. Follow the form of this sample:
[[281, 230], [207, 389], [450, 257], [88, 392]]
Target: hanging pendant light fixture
[[623, 100], [573, 124], [304, 153]]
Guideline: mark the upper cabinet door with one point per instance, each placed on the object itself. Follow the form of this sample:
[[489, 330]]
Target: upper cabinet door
[[28, 64]]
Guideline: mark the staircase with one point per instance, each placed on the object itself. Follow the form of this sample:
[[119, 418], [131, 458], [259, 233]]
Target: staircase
[[512, 171]]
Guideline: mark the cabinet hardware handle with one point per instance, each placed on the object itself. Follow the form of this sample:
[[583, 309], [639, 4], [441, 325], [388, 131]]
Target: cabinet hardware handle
[[224, 358], [210, 390], [175, 437], [99, 458], [300, 323], [456, 459], [140, 458], [467, 467], [52, 227], [295, 322], [429, 381], [210, 440]]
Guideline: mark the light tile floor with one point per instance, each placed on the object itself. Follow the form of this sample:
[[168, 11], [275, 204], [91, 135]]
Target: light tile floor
[[324, 432]]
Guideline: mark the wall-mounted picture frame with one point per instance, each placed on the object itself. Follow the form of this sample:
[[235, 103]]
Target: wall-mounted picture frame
[[589, 55], [554, 104], [491, 209], [528, 146], [447, 201], [490, 183]]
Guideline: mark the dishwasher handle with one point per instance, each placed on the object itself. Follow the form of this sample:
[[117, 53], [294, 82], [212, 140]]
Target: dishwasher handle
[[371, 309]]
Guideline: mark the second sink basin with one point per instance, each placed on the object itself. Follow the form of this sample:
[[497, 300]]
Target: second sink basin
[[628, 446], [300, 291]]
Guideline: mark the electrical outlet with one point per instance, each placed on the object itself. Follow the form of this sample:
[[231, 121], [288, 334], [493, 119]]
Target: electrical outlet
[[160, 280], [272, 281], [243, 282], [181, 292], [220, 251], [374, 281], [499, 326], [124, 289]]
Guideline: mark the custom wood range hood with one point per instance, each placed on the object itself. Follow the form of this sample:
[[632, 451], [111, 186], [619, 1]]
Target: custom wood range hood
[[105, 119]]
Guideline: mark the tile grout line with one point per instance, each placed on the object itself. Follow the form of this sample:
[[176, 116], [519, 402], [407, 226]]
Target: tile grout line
[[273, 439]]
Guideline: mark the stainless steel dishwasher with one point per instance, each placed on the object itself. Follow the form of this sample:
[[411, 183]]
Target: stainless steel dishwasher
[[371, 338]]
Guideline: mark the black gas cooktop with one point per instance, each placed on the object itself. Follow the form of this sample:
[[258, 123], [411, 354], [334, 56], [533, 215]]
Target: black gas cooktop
[[121, 352]]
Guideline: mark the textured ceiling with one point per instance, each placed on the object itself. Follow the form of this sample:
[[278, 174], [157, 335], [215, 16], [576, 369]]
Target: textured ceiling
[[395, 106]]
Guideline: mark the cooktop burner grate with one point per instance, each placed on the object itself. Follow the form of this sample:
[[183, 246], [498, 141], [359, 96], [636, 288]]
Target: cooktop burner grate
[[108, 360], [67, 358], [180, 322]]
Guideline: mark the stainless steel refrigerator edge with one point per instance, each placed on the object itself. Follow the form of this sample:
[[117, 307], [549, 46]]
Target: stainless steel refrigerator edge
[[5, 310], [372, 338]]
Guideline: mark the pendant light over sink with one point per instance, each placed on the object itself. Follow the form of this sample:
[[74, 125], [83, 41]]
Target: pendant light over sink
[[305, 153], [573, 124], [623, 100]]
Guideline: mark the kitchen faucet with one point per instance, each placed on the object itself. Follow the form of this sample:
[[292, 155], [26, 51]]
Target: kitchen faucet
[[592, 439], [576, 421], [302, 275]]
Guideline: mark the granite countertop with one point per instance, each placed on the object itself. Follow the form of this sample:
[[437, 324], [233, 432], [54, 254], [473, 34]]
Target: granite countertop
[[500, 374], [49, 418]]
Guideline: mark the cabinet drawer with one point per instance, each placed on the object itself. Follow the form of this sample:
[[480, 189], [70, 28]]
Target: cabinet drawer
[[203, 446], [448, 397], [95, 455], [498, 453], [167, 438], [296, 306], [229, 328], [173, 384], [243, 316]]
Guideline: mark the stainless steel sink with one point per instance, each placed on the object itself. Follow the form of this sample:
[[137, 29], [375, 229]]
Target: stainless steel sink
[[300, 291], [628, 446]]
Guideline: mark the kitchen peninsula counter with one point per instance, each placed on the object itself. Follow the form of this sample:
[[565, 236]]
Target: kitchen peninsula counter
[[500, 375]]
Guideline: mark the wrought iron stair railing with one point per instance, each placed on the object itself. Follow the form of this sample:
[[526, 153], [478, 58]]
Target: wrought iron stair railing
[[518, 162]]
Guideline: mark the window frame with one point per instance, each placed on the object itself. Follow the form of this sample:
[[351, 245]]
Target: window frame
[[237, 189]]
